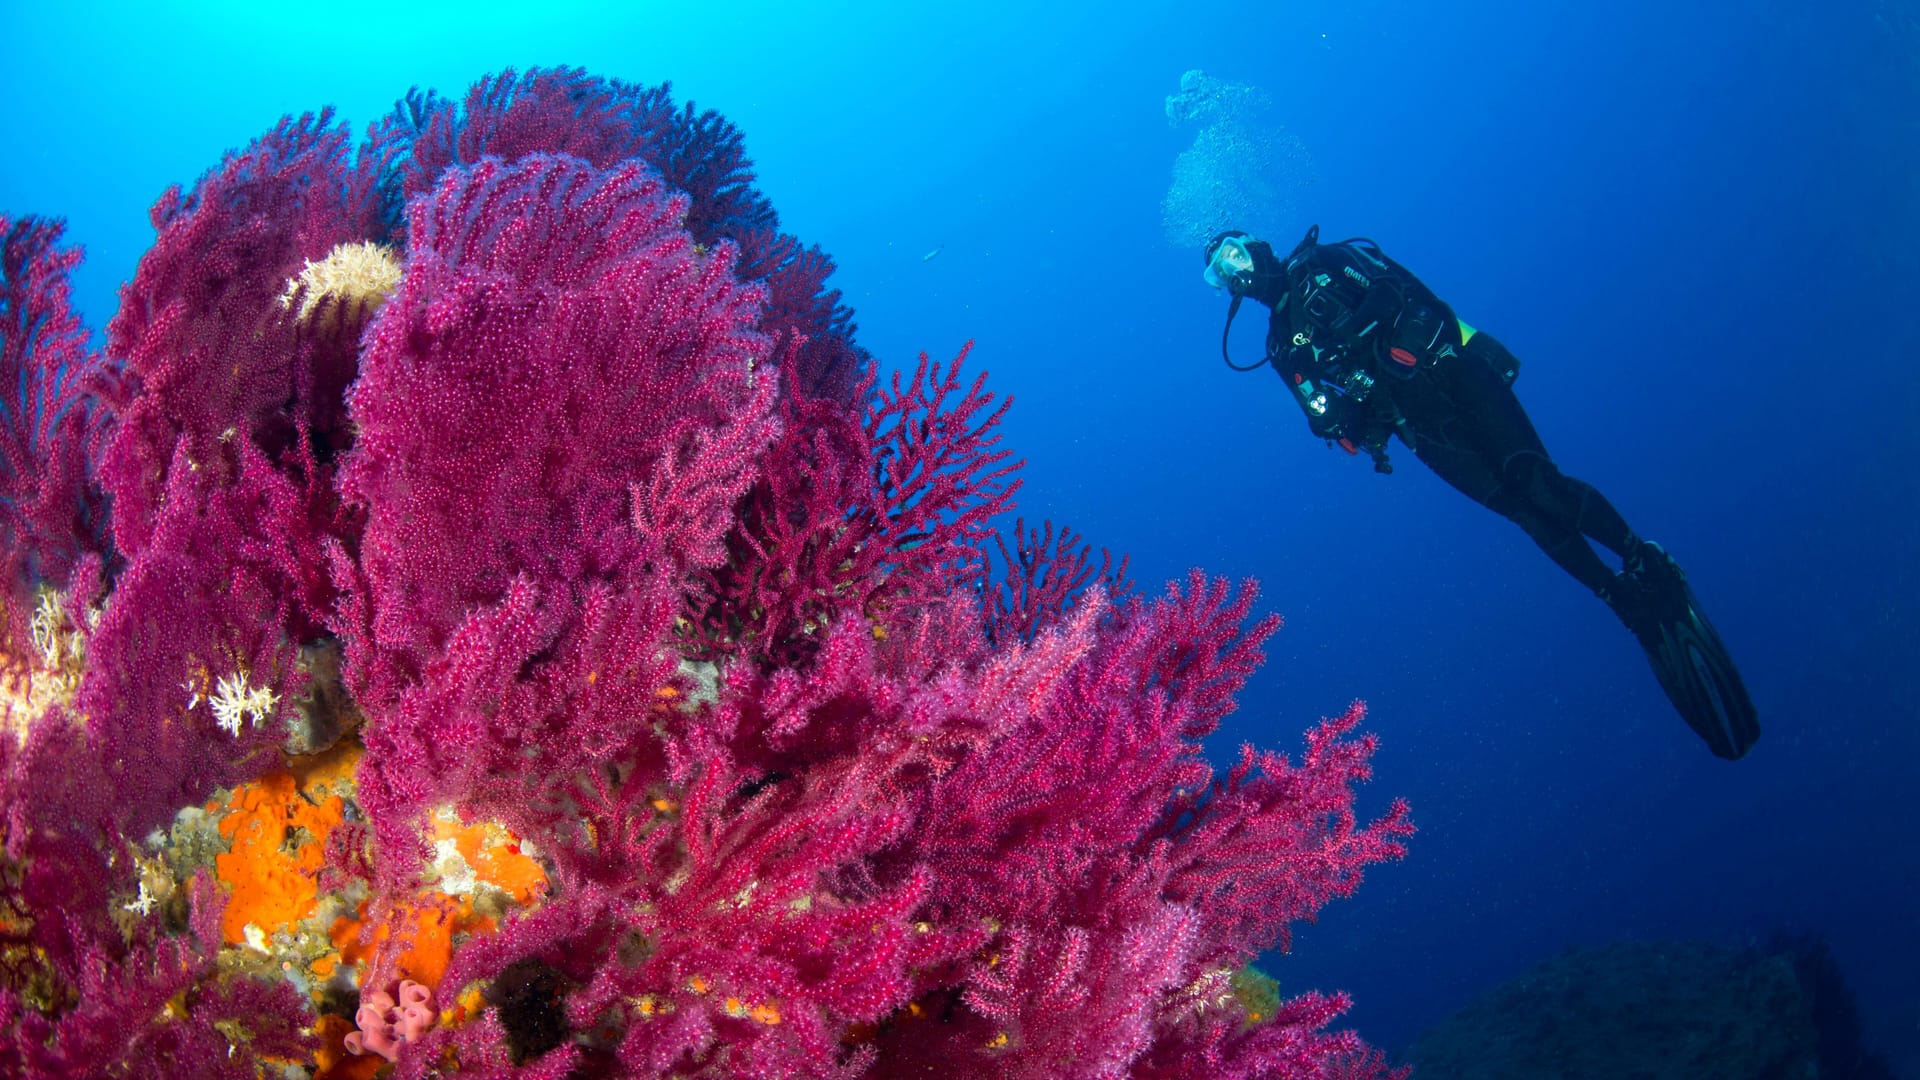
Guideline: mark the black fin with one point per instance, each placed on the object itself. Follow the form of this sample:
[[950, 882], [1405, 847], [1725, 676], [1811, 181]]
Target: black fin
[[1688, 657]]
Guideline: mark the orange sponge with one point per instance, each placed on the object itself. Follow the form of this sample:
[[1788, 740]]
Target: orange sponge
[[278, 839]]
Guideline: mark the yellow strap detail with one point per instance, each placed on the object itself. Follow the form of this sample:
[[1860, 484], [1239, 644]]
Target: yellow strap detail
[[1466, 332]]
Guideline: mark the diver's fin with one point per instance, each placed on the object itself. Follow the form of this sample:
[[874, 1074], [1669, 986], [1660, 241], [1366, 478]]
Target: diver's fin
[[1688, 657]]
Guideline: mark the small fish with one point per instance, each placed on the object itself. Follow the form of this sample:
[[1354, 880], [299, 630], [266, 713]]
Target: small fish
[[928, 257]]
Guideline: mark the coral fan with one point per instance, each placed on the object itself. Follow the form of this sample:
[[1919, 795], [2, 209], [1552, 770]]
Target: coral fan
[[682, 727], [52, 516]]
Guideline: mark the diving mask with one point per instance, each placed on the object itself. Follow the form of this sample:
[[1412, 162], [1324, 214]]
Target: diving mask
[[1230, 266]]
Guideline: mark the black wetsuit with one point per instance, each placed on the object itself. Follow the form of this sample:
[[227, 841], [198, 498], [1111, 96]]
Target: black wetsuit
[[1370, 352]]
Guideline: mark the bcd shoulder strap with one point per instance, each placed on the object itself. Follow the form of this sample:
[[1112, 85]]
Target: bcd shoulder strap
[[1344, 288]]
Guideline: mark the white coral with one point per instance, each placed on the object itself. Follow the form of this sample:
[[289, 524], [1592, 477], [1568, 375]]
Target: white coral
[[357, 278], [142, 904], [234, 703]]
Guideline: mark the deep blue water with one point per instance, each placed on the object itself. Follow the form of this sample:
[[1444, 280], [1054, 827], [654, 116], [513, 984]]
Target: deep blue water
[[1697, 225]]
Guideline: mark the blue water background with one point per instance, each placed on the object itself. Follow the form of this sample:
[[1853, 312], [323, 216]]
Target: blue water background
[[1696, 224]]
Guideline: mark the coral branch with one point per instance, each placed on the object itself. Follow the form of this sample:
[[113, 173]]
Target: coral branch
[[51, 514]]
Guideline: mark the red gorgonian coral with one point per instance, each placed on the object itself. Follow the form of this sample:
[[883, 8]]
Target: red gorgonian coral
[[640, 567]]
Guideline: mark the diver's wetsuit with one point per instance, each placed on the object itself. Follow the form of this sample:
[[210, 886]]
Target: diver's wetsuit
[[1371, 352]]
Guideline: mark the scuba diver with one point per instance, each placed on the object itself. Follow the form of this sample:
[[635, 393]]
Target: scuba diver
[[1369, 353]]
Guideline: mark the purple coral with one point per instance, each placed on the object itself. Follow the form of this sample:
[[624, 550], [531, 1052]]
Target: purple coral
[[607, 122], [555, 412], [52, 516], [210, 353], [859, 510], [923, 855], [630, 553]]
